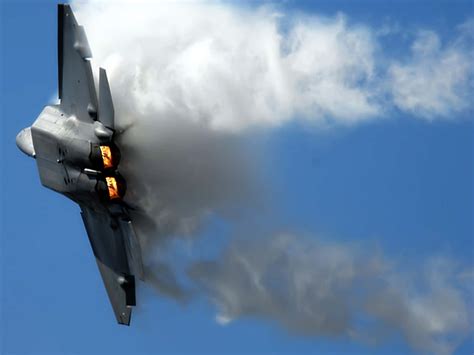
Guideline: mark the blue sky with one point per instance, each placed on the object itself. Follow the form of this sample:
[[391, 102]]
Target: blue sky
[[403, 183]]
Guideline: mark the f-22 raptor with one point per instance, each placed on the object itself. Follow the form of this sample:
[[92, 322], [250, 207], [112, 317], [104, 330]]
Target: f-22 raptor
[[76, 155]]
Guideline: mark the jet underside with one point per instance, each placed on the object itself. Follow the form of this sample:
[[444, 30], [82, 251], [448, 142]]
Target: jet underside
[[76, 155]]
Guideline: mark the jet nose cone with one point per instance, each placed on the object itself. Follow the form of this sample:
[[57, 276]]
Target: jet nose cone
[[24, 142]]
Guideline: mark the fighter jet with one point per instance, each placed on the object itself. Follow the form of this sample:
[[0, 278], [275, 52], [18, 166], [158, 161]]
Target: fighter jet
[[73, 143]]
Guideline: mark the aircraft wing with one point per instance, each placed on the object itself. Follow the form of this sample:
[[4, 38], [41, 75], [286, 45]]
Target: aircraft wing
[[76, 83], [118, 257]]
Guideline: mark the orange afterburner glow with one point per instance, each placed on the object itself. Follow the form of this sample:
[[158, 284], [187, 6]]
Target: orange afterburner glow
[[106, 156], [112, 187]]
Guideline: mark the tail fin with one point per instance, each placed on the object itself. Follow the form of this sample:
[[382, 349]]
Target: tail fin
[[106, 106]]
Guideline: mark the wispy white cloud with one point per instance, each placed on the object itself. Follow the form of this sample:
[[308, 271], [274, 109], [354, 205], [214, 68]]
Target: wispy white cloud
[[437, 80], [316, 287], [232, 67], [330, 66], [186, 77]]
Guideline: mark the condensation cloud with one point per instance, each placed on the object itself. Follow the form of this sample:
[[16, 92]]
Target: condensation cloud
[[231, 67], [191, 82], [315, 287], [436, 81]]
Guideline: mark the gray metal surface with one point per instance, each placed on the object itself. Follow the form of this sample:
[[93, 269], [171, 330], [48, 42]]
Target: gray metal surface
[[106, 107], [134, 253], [77, 89], [117, 294], [72, 143]]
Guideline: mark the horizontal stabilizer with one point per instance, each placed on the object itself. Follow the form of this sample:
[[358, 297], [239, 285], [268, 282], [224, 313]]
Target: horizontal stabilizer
[[121, 292]]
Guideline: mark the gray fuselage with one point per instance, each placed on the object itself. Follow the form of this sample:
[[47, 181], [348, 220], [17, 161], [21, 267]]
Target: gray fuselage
[[67, 150]]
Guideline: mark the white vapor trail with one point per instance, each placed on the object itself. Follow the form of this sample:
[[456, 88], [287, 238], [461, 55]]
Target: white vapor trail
[[230, 68], [193, 81], [315, 287]]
